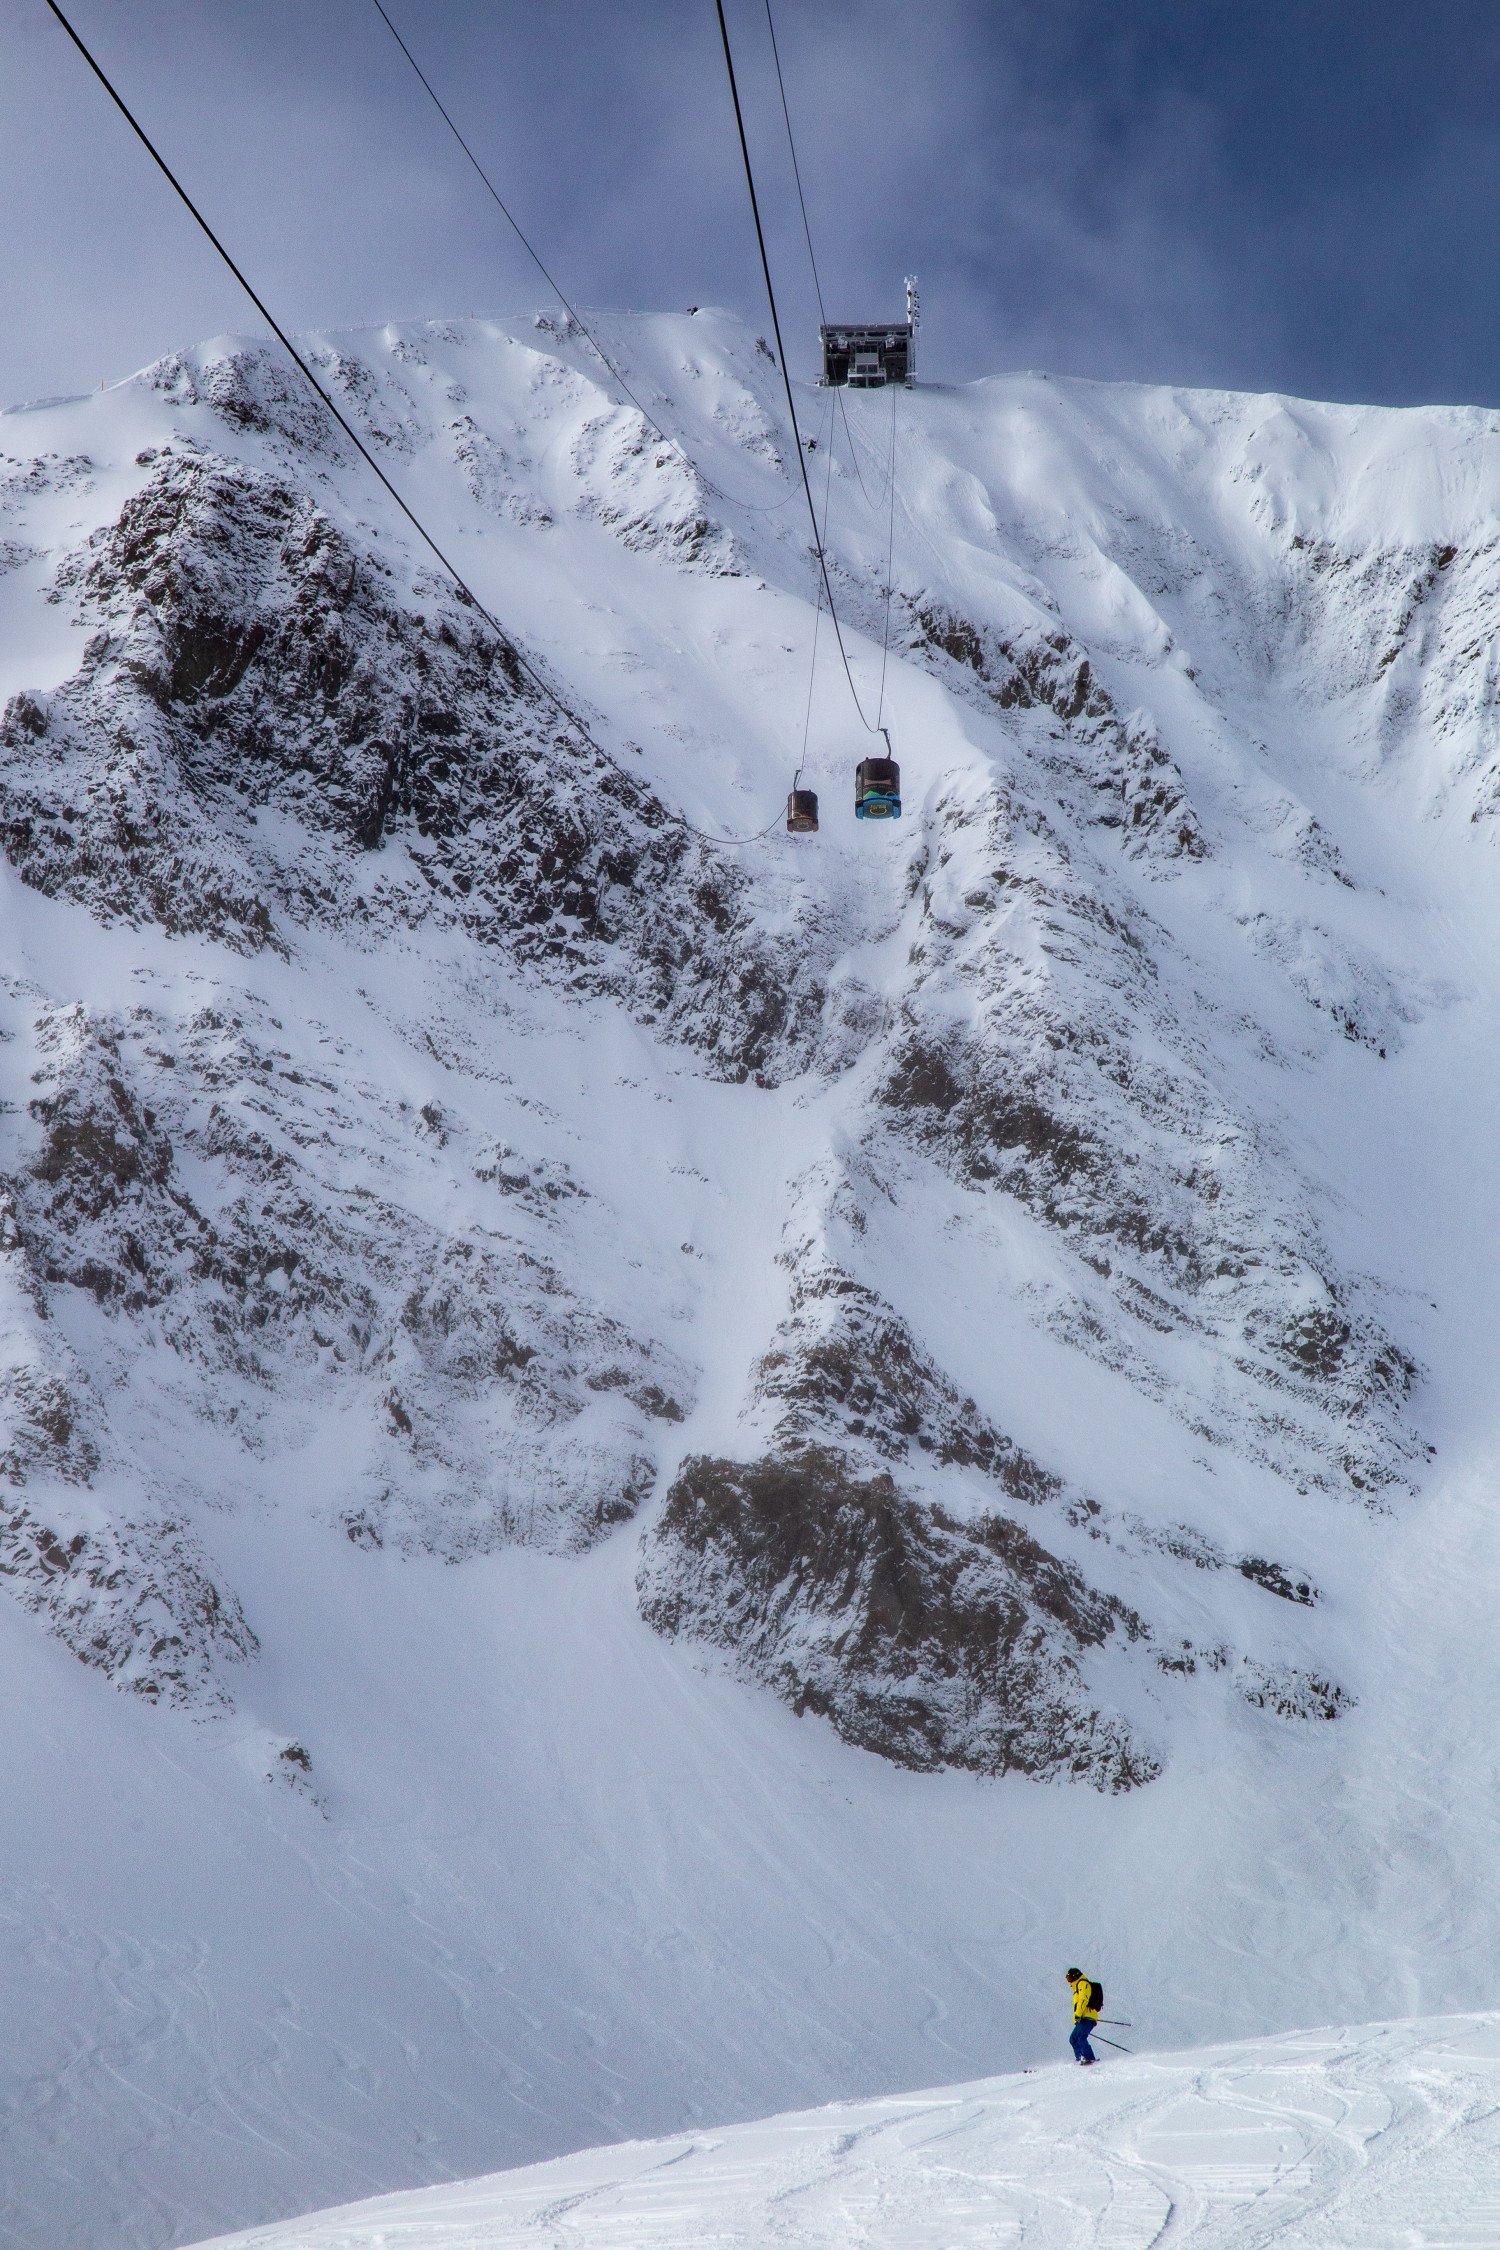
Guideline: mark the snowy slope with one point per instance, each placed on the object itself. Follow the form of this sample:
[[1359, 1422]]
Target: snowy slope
[[679, 1469], [1373, 2137]]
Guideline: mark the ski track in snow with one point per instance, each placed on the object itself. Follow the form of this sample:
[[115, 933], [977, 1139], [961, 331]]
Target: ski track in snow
[[1384, 2137]]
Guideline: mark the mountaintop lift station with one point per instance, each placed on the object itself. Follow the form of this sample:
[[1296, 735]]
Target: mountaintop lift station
[[866, 355]]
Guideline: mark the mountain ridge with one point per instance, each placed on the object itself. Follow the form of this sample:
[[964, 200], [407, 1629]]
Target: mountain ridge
[[938, 1276]]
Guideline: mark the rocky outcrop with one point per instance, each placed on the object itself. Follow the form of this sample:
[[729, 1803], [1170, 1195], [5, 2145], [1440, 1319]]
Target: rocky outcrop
[[184, 1177], [1052, 1050], [1111, 764], [129, 1590], [132, 1598], [844, 1364], [929, 1641], [264, 706]]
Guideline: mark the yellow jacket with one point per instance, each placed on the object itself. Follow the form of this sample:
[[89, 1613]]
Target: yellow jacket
[[1081, 1992]]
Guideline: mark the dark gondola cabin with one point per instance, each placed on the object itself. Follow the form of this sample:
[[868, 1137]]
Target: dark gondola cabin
[[802, 813], [877, 789]]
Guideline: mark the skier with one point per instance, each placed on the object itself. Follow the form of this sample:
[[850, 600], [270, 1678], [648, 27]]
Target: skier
[[1088, 1999]]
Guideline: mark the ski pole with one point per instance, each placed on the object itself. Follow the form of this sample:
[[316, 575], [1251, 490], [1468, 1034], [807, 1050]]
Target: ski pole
[[1121, 2023], [1113, 2043]]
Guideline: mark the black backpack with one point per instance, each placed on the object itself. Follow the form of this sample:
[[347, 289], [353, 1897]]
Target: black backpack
[[1096, 1998]]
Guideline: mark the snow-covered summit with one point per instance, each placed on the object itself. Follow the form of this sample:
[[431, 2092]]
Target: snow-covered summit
[[600, 1407], [1319, 2140]]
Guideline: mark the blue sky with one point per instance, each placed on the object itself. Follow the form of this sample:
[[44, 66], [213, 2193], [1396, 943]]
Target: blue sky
[[1255, 193]]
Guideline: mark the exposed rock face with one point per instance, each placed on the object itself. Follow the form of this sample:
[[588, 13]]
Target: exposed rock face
[[1051, 1047], [129, 1590], [932, 1642], [207, 1224], [843, 1363], [132, 1598], [1112, 766], [261, 705]]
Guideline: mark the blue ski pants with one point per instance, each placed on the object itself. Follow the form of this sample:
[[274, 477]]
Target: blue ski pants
[[1079, 2041]]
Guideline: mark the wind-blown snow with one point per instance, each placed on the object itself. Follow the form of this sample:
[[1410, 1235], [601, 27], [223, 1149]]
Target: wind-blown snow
[[679, 1471], [1321, 2140]]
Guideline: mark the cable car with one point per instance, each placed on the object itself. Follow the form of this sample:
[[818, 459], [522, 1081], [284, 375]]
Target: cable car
[[802, 813], [877, 789]]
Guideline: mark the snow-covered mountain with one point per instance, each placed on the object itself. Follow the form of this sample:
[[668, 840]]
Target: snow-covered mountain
[[1384, 2134], [603, 1408]]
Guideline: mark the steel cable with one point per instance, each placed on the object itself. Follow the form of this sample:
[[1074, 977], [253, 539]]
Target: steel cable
[[756, 507], [890, 550], [765, 267], [812, 669], [838, 389], [812, 255], [466, 590]]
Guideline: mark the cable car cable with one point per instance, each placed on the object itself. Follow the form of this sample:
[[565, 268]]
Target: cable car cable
[[890, 550], [812, 255], [292, 352], [765, 267], [506, 640], [838, 389], [812, 674], [756, 507], [812, 668], [675, 443]]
